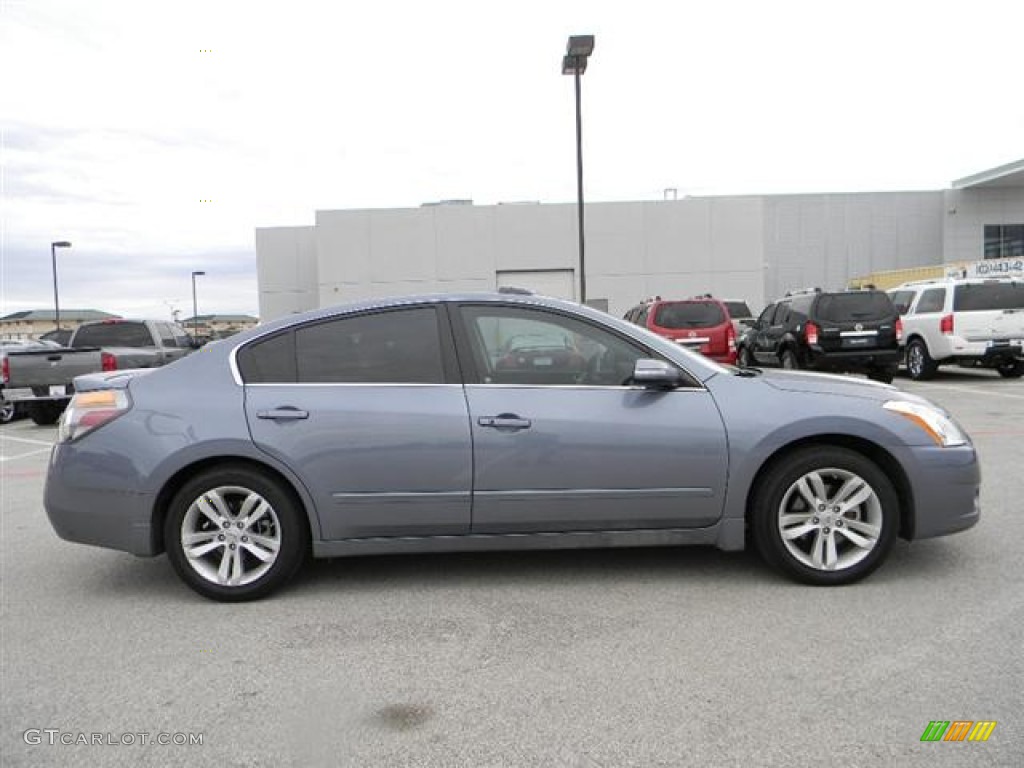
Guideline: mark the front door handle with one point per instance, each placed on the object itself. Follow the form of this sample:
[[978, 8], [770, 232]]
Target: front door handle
[[504, 421], [287, 413]]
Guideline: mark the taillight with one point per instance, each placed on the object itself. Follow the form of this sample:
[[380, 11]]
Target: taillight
[[89, 410], [6, 370], [946, 325], [811, 333], [109, 362], [730, 338], [899, 329]]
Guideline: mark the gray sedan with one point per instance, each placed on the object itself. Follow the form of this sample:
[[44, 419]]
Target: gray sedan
[[412, 425]]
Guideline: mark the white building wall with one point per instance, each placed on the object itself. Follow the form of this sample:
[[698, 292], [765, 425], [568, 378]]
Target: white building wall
[[967, 211], [286, 270]]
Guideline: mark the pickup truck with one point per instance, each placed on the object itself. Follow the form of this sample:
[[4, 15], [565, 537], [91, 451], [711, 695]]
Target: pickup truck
[[106, 345]]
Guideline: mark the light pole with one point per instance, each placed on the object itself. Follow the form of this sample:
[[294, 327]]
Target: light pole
[[56, 301], [577, 51], [195, 311]]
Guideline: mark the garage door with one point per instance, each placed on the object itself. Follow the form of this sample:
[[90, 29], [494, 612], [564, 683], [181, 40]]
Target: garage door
[[559, 283]]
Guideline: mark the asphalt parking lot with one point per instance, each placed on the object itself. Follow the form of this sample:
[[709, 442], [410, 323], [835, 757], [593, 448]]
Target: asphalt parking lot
[[669, 657]]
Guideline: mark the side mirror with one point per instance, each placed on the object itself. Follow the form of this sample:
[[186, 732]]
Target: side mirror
[[656, 374]]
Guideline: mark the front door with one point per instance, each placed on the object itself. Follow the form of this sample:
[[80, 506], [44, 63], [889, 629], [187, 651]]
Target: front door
[[563, 441]]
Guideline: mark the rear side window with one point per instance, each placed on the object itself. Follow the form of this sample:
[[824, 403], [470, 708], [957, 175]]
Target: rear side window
[[397, 347], [269, 361], [932, 300], [902, 300], [114, 335], [689, 314], [738, 308], [974, 297], [854, 307]]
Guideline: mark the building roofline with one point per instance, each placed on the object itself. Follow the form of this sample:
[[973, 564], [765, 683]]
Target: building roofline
[[1009, 175]]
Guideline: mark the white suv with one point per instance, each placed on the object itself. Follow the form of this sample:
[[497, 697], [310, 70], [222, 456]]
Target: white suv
[[970, 322]]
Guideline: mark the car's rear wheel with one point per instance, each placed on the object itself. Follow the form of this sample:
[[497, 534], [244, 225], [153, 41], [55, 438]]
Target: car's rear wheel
[[920, 364], [1011, 370], [45, 413], [233, 534], [884, 375], [8, 411], [788, 359], [825, 515], [744, 359]]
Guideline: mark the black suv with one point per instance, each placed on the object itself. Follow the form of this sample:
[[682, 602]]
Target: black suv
[[848, 331]]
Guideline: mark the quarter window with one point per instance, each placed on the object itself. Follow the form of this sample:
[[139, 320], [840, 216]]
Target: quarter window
[[902, 301], [932, 300]]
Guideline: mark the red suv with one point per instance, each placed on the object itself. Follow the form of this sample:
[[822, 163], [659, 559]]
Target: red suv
[[702, 324]]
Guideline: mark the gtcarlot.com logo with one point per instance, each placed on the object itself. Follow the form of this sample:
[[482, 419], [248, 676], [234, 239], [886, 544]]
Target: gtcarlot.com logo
[[54, 736], [958, 730]]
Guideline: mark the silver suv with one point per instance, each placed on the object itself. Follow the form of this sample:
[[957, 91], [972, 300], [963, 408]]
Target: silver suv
[[970, 322]]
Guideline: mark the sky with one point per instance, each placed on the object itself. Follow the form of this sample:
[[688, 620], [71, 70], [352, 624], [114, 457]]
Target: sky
[[156, 137]]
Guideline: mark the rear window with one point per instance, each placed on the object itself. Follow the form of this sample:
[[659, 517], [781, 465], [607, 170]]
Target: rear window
[[974, 297], [854, 307], [689, 314], [738, 308], [114, 335]]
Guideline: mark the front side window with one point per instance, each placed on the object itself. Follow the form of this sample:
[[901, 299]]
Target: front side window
[[392, 347], [510, 345], [932, 300]]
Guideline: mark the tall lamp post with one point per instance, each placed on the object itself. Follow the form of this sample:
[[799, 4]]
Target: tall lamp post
[[577, 51], [56, 301], [195, 311]]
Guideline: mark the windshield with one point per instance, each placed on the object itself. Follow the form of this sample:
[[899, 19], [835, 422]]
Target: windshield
[[689, 314], [975, 297], [854, 307]]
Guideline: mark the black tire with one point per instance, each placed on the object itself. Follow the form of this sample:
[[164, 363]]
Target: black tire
[[45, 413], [743, 358], [920, 365], [884, 375], [789, 360], [777, 494], [285, 523], [1011, 370]]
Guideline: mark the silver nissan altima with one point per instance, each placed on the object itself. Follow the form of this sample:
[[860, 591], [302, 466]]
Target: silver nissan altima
[[493, 421]]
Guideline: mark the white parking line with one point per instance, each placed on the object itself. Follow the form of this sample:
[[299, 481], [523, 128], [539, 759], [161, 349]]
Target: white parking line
[[28, 440], [972, 392], [24, 455]]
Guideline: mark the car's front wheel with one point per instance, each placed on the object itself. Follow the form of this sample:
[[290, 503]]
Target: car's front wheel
[[824, 515], [788, 359], [234, 534]]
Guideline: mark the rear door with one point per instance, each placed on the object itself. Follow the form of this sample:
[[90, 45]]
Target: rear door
[[992, 311], [368, 411]]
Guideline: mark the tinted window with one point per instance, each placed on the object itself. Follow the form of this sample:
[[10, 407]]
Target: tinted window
[[397, 347], [981, 296], [522, 346], [114, 335], [854, 307], [931, 300], [270, 360], [781, 310], [766, 316], [902, 300], [738, 308], [689, 314], [801, 305]]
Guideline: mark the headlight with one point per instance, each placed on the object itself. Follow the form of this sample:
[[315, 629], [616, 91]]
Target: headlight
[[939, 427]]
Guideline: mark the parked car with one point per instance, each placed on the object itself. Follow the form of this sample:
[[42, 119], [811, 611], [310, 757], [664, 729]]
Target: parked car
[[11, 400], [840, 332], [46, 374], [702, 324], [387, 426], [967, 322]]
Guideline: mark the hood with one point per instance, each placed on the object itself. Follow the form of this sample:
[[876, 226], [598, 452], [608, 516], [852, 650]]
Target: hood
[[832, 384]]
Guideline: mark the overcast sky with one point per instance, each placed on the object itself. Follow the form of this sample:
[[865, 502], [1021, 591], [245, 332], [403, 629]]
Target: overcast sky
[[120, 119]]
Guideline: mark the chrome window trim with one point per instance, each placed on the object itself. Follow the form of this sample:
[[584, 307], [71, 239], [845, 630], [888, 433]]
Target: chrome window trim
[[373, 384]]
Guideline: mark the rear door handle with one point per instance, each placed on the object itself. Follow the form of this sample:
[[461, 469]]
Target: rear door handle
[[286, 413], [504, 421]]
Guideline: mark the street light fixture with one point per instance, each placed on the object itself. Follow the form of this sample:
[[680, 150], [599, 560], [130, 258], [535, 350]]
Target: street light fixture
[[56, 301], [574, 63], [195, 311]]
